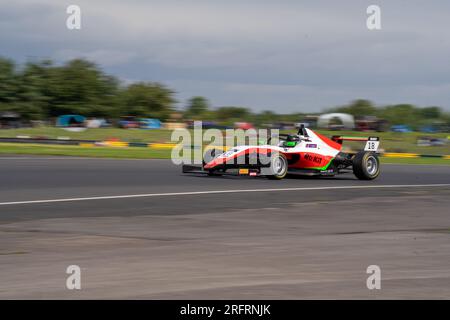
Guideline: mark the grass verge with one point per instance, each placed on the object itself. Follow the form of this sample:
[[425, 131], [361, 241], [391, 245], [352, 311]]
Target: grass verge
[[77, 151], [144, 153]]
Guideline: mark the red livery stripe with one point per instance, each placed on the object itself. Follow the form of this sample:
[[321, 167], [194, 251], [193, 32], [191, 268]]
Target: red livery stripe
[[329, 142]]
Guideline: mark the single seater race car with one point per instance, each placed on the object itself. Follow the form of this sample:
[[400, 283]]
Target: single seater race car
[[304, 153]]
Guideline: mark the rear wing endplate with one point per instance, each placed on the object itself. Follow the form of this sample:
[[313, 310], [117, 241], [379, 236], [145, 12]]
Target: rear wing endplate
[[371, 144]]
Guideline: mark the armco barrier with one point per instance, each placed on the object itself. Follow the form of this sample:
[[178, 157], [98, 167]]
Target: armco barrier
[[138, 144], [44, 141]]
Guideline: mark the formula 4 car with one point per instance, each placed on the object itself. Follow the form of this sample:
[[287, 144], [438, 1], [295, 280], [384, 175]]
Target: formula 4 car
[[305, 153]]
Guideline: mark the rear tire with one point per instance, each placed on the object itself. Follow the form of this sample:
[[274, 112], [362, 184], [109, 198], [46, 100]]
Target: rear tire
[[279, 166], [366, 165]]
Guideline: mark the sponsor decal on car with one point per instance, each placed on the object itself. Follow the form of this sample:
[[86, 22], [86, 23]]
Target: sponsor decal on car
[[243, 171], [311, 145], [315, 158]]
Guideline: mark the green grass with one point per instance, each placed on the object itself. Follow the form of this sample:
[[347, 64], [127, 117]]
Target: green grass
[[144, 153], [128, 135], [77, 151], [390, 141]]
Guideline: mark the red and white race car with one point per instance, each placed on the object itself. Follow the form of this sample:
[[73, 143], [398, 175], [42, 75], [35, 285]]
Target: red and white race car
[[304, 153]]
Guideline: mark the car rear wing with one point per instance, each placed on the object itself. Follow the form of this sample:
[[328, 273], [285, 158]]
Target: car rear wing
[[372, 143]]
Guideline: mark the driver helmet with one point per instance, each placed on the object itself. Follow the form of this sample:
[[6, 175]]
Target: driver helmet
[[291, 141]]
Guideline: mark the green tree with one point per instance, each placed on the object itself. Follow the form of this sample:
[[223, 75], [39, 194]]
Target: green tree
[[147, 99], [81, 87], [32, 101], [401, 114], [197, 108], [431, 112], [239, 113], [358, 108], [8, 83], [266, 117]]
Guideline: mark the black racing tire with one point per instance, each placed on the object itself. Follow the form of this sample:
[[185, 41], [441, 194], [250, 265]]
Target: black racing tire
[[279, 166], [214, 173], [366, 165]]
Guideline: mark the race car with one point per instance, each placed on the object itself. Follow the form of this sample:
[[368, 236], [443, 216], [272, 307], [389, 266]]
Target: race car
[[305, 153]]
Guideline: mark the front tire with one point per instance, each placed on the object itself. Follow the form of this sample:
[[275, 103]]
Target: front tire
[[210, 155], [279, 166], [366, 165]]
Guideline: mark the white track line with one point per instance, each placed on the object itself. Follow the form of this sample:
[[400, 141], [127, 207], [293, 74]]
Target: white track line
[[147, 195]]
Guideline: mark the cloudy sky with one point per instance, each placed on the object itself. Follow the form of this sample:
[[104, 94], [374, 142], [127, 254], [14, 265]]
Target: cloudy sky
[[285, 55]]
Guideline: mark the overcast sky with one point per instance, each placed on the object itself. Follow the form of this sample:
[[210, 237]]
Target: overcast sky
[[285, 56]]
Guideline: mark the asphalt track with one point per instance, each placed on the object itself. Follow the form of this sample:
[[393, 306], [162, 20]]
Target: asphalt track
[[141, 229]]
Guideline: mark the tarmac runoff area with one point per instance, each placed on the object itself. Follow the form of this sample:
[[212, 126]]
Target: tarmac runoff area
[[139, 229]]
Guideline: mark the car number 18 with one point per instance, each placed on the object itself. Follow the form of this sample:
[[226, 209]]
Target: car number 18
[[372, 145]]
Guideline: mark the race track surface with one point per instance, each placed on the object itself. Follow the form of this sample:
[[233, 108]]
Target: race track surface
[[160, 234]]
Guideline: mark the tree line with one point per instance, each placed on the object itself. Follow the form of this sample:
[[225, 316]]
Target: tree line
[[42, 90], [406, 114], [399, 114]]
